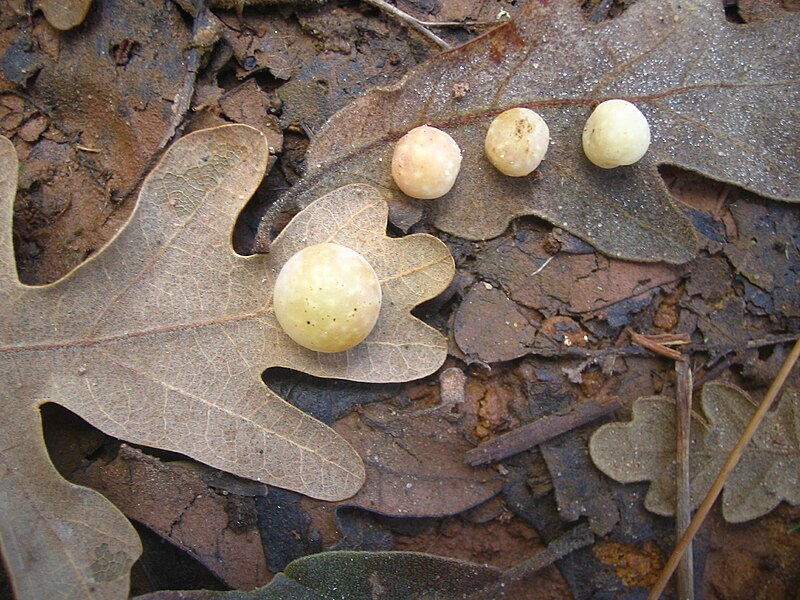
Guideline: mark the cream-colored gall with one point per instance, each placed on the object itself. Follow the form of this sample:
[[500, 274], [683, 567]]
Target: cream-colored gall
[[327, 298], [616, 134], [517, 141], [425, 163]]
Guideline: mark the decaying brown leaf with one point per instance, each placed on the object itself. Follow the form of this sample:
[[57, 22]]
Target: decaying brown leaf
[[719, 99], [415, 463], [161, 338], [580, 491], [644, 449], [177, 500], [492, 327], [61, 14], [567, 283]]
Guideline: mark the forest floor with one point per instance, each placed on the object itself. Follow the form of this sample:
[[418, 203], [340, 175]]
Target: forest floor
[[88, 126]]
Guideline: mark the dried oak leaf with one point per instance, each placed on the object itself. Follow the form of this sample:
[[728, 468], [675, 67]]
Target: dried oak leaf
[[414, 462], [161, 338], [61, 14], [720, 99], [644, 449]]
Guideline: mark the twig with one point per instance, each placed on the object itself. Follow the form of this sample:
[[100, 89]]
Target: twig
[[715, 371], [575, 539], [730, 464], [772, 340], [565, 544], [726, 362], [537, 432], [183, 98], [464, 23], [683, 507], [410, 21], [658, 343]]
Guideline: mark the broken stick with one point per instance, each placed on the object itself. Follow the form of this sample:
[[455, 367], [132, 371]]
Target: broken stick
[[537, 432]]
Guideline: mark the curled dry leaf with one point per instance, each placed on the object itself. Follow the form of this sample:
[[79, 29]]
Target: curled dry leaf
[[644, 450], [160, 339], [719, 99]]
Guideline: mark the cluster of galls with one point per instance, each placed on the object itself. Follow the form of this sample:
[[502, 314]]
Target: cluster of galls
[[426, 160], [327, 297]]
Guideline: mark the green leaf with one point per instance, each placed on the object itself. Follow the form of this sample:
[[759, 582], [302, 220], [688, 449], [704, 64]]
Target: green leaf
[[364, 576]]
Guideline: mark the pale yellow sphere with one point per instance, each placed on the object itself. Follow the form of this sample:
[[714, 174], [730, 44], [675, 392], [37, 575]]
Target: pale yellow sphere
[[425, 163], [517, 141], [616, 134], [327, 298]]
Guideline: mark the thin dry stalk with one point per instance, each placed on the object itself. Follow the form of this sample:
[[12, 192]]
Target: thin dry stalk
[[683, 507], [410, 21], [575, 539], [730, 464], [659, 343]]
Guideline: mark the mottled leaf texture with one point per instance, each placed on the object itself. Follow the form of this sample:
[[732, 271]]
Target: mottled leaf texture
[[161, 339], [414, 464], [644, 450], [61, 14], [721, 100], [359, 575]]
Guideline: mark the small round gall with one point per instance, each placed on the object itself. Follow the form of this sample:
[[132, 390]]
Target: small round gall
[[327, 298], [517, 141], [616, 134], [425, 163]]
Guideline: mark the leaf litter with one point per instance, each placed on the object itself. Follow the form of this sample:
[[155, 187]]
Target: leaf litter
[[178, 500], [644, 449], [161, 339], [630, 376], [129, 57]]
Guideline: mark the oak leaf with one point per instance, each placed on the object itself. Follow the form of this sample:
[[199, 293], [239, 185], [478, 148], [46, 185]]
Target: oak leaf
[[414, 460], [161, 339], [352, 575], [644, 450], [719, 98], [61, 14]]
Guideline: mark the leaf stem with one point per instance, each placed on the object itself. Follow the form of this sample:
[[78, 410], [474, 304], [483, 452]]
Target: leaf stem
[[730, 464]]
